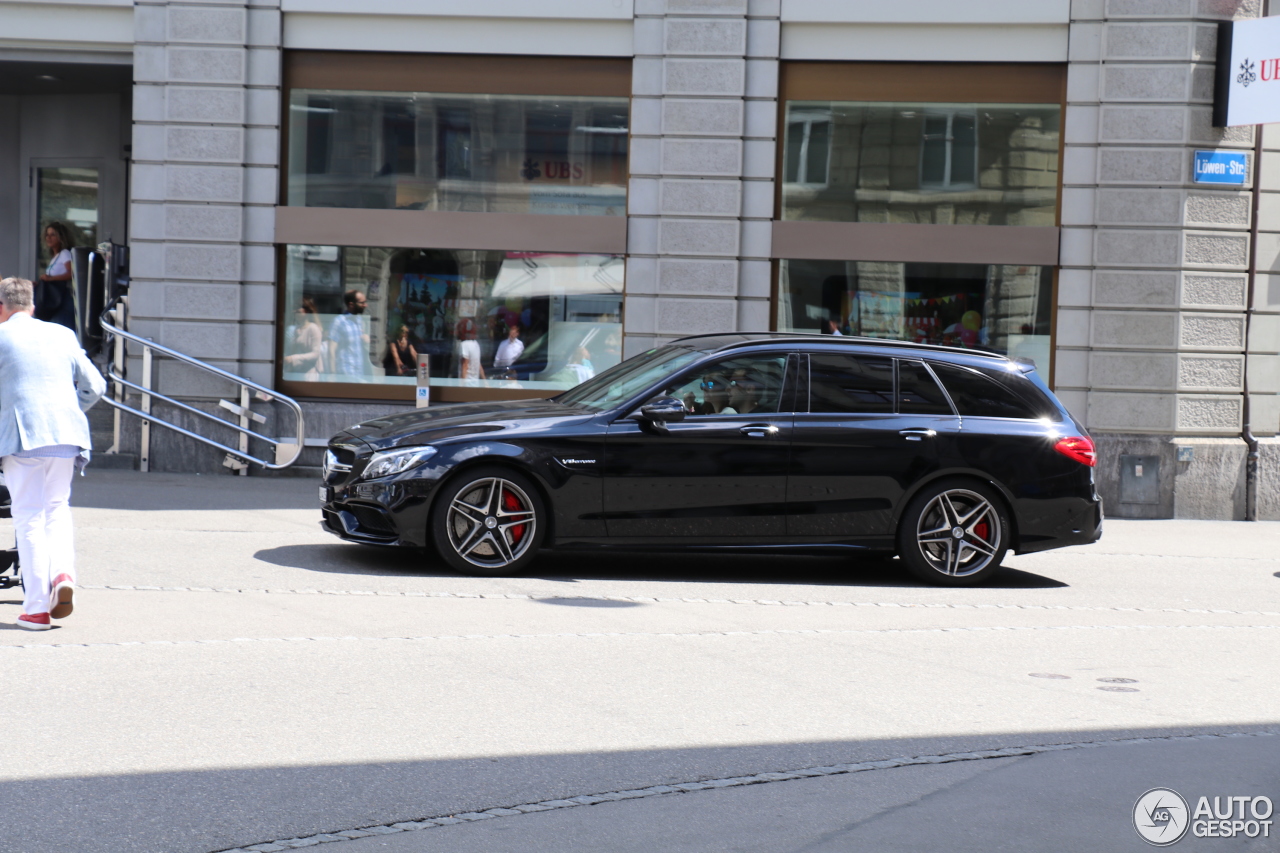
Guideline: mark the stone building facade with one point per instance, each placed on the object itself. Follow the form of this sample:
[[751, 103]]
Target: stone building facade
[[999, 173]]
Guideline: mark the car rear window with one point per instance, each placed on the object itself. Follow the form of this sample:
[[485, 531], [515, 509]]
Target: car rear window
[[918, 393], [977, 395], [850, 384]]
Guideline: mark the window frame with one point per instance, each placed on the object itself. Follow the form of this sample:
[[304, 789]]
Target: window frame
[[948, 148]]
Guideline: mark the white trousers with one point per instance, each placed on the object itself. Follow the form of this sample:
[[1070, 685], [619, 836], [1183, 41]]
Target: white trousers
[[40, 490]]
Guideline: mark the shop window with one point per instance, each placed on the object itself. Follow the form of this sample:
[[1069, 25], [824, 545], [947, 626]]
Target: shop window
[[504, 320], [458, 152], [921, 163], [996, 307]]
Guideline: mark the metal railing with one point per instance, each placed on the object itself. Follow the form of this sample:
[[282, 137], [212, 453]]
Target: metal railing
[[286, 452]]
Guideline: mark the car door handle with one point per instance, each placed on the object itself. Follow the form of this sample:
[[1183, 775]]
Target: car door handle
[[759, 430], [916, 434]]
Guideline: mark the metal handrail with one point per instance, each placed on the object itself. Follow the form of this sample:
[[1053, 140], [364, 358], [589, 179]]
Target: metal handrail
[[115, 374]]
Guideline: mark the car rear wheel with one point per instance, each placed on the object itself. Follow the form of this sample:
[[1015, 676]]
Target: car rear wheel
[[954, 533], [489, 521]]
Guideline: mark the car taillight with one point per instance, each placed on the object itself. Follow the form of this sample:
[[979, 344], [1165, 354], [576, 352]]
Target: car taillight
[[1078, 447]]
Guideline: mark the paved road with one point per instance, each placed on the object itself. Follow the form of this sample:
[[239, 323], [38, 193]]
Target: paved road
[[233, 676]]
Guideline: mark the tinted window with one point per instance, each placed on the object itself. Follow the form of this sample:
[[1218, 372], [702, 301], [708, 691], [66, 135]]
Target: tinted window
[[735, 386], [918, 393], [980, 396], [846, 383]]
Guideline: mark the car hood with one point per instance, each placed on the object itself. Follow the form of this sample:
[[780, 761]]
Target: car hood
[[424, 426]]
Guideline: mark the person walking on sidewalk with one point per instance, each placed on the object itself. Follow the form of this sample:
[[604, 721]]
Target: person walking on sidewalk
[[46, 385]]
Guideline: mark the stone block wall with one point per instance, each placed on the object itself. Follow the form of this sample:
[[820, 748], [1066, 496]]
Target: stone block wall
[[704, 127], [205, 183], [1151, 332]]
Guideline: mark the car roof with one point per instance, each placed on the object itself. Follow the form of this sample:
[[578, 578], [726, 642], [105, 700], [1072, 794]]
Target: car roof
[[721, 341]]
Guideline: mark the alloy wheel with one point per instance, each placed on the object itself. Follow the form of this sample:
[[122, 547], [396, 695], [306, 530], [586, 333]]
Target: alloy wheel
[[491, 523], [959, 533]]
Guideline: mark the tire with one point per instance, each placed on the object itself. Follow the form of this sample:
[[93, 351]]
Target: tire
[[489, 521], [927, 542]]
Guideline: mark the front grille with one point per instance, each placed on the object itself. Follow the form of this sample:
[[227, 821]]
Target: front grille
[[371, 519]]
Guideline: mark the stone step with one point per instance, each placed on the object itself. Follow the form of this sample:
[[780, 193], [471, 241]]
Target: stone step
[[114, 461]]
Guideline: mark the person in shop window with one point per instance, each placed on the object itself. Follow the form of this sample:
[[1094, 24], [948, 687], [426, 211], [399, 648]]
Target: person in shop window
[[509, 351], [470, 370], [54, 303], [305, 351], [402, 358], [350, 337], [580, 365]]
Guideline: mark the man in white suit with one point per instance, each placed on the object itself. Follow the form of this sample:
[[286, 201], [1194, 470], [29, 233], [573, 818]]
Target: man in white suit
[[46, 385]]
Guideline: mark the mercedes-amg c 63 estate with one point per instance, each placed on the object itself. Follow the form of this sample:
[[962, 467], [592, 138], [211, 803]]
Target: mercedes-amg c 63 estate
[[948, 457]]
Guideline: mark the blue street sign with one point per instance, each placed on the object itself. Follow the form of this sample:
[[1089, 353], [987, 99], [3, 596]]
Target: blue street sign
[[1220, 167]]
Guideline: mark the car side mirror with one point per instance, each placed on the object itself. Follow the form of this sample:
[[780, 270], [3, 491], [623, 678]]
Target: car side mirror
[[655, 414]]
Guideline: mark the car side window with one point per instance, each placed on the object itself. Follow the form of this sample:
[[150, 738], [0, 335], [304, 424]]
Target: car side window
[[980, 396], [918, 392], [840, 383], [734, 386]]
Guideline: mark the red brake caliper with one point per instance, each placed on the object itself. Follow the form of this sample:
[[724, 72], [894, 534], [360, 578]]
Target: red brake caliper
[[981, 530], [511, 504]]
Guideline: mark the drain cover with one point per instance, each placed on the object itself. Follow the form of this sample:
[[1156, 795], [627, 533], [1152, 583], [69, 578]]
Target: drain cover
[[1119, 680], [1047, 675], [1120, 689]]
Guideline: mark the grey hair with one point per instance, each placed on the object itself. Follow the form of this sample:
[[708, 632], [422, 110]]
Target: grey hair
[[15, 294]]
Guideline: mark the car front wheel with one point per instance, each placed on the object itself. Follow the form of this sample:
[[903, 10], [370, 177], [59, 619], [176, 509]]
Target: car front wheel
[[489, 521], [954, 534]]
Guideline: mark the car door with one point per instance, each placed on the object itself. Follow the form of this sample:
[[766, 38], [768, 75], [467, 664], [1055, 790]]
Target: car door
[[719, 476], [874, 427]]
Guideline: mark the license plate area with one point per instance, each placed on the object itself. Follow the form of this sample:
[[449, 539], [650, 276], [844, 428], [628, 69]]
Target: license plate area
[[324, 494]]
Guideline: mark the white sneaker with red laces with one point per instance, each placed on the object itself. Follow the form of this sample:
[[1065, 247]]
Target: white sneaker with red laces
[[34, 621], [64, 589]]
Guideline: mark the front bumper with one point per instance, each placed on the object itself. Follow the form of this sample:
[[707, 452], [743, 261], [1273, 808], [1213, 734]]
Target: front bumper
[[393, 513]]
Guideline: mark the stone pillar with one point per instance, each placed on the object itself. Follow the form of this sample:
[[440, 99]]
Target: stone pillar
[[702, 160], [206, 141], [1151, 292]]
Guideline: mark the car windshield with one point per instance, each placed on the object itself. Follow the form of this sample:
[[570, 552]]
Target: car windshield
[[623, 381]]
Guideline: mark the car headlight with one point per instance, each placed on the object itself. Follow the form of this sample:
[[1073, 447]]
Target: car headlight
[[401, 459]]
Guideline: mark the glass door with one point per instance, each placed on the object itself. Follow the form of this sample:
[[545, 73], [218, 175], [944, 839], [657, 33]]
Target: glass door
[[66, 194]]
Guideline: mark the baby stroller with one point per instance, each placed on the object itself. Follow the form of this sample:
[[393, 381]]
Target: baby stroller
[[10, 575]]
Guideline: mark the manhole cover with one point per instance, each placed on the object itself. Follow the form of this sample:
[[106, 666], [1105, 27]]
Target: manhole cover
[[1047, 675], [1119, 689], [1119, 680]]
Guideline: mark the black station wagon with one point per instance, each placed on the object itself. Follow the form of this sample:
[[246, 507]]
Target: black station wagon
[[947, 457]]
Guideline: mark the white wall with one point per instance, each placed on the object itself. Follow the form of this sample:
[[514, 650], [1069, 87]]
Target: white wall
[[617, 10], [93, 25], [419, 33], [926, 42], [997, 12]]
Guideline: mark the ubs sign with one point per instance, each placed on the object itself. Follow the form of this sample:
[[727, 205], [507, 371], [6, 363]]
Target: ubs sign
[[1247, 85]]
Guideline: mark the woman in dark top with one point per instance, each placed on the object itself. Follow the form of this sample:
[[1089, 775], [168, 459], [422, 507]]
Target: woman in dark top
[[402, 358]]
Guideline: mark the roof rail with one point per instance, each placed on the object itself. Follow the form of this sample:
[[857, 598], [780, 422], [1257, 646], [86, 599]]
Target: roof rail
[[803, 337]]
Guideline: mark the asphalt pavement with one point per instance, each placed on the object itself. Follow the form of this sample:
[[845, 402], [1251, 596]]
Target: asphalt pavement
[[235, 678]]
